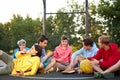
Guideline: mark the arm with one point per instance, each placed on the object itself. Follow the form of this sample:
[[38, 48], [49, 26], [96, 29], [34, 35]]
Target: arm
[[97, 56], [112, 60], [19, 54], [77, 53], [55, 56], [34, 68]]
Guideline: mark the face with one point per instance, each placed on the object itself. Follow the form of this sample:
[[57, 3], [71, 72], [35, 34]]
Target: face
[[22, 46], [87, 47], [64, 43], [43, 44], [32, 50], [100, 44]]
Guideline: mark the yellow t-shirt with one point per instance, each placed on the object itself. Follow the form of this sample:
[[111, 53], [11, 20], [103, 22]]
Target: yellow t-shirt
[[26, 63]]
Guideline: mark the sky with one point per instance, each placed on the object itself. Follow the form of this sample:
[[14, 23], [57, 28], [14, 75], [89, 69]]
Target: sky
[[34, 8]]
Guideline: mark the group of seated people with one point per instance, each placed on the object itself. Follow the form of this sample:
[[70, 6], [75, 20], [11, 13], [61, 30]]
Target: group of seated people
[[26, 62]]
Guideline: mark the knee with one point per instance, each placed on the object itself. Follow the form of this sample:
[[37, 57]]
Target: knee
[[50, 53], [53, 61], [41, 66], [79, 58]]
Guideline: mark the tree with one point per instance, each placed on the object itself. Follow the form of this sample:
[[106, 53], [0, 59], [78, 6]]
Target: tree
[[110, 11], [19, 28], [27, 29]]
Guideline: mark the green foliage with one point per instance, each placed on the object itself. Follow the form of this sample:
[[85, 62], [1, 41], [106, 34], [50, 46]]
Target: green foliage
[[104, 19], [17, 29], [110, 10]]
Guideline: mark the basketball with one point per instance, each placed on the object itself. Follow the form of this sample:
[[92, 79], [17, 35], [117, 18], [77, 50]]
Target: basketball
[[85, 66]]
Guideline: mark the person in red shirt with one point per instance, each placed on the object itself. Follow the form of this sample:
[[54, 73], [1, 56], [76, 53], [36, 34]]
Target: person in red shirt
[[107, 55]]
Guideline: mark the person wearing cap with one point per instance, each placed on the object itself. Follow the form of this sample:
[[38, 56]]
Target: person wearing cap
[[26, 64], [22, 47]]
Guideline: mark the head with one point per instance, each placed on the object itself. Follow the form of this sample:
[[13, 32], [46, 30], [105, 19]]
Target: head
[[64, 41], [87, 43], [36, 50], [22, 44], [103, 41], [43, 41]]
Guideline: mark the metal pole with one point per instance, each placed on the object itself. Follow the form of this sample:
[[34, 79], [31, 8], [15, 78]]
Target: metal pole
[[86, 19], [66, 13], [44, 17]]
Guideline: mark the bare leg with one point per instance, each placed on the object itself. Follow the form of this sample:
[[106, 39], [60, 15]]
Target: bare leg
[[113, 68], [96, 67], [41, 68], [75, 61], [61, 66], [72, 64], [52, 63]]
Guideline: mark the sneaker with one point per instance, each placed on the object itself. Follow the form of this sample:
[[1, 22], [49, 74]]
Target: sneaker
[[69, 71], [106, 75]]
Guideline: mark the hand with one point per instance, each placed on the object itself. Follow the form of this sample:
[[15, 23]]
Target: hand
[[20, 73], [95, 61], [23, 51], [59, 60]]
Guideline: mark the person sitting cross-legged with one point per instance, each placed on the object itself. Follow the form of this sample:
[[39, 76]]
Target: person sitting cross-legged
[[107, 55], [89, 49], [45, 58], [62, 54]]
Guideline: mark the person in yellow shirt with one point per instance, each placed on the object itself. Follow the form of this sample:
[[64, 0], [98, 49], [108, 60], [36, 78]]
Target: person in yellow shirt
[[26, 64]]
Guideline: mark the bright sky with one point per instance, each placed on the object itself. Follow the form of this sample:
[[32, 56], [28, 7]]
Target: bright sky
[[32, 7]]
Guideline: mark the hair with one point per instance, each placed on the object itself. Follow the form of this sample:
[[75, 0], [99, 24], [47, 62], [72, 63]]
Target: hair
[[42, 38], [88, 41], [104, 39], [22, 41], [64, 37], [39, 49]]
